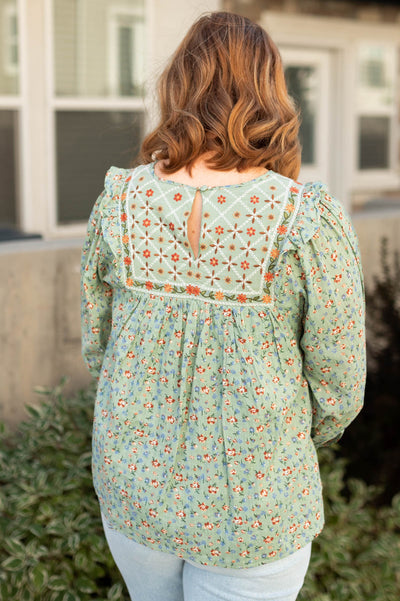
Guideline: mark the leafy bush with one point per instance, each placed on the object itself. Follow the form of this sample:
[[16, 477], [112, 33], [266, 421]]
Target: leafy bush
[[52, 546], [372, 444], [357, 555]]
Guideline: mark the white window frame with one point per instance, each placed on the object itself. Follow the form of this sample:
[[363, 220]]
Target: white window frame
[[56, 103], [18, 102], [322, 61], [342, 36], [367, 178]]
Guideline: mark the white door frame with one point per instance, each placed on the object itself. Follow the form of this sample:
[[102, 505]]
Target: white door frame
[[321, 60]]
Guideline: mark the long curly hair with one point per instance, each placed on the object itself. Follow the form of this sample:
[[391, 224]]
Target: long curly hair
[[223, 92]]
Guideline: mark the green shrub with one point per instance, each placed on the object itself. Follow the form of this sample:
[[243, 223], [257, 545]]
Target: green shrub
[[357, 555], [52, 546]]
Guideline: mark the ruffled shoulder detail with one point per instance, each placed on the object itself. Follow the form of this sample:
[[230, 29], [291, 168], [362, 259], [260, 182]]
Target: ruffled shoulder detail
[[319, 214], [312, 198], [115, 181], [115, 185]]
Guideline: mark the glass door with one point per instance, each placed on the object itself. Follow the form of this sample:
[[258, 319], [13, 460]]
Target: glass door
[[308, 77]]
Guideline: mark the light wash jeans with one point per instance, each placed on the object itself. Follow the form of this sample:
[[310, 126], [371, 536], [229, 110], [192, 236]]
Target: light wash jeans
[[152, 575]]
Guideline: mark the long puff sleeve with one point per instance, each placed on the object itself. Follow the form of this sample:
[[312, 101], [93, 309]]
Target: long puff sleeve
[[96, 294], [333, 339], [326, 264]]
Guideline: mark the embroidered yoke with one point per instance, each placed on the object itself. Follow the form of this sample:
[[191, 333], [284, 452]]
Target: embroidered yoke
[[219, 376]]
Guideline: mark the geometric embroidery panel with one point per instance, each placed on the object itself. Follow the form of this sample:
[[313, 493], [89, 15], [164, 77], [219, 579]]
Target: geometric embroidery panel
[[242, 230]]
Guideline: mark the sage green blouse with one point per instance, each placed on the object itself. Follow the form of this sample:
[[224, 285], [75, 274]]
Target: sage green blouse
[[218, 377]]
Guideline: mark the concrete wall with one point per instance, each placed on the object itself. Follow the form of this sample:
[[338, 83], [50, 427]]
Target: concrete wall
[[39, 322], [371, 227], [40, 317]]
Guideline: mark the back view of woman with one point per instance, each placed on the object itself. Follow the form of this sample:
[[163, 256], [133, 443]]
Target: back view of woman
[[223, 316]]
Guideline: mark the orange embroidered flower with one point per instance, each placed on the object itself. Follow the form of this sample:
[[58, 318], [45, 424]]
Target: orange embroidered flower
[[219, 295], [242, 298], [266, 298], [282, 229], [294, 189], [127, 260], [268, 277], [221, 199], [149, 193], [219, 230], [125, 239], [192, 289], [124, 217], [129, 282], [167, 287], [149, 285]]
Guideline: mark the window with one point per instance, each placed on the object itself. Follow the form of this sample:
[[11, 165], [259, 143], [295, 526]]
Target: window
[[88, 142], [308, 75], [127, 41], [10, 39], [373, 142], [97, 97], [10, 105], [301, 83], [376, 107]]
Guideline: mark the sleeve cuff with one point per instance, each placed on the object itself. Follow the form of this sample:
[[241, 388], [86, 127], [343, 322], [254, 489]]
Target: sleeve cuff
[[324, 441]]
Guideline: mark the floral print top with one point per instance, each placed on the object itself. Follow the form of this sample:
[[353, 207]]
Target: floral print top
[[218, 377]]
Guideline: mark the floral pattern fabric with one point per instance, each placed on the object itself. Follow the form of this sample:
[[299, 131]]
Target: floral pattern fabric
[[219, 377]]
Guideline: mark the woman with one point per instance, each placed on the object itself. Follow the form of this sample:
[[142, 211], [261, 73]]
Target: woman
[[223, 316]]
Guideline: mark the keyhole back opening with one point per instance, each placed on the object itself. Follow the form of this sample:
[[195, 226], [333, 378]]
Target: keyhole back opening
[[193, 228]]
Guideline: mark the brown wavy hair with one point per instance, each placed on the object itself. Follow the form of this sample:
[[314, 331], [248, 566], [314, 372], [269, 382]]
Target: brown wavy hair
[[224, 92]]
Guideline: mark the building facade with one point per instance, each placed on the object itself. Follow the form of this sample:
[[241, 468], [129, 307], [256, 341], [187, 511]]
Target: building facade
[[342, 62]]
